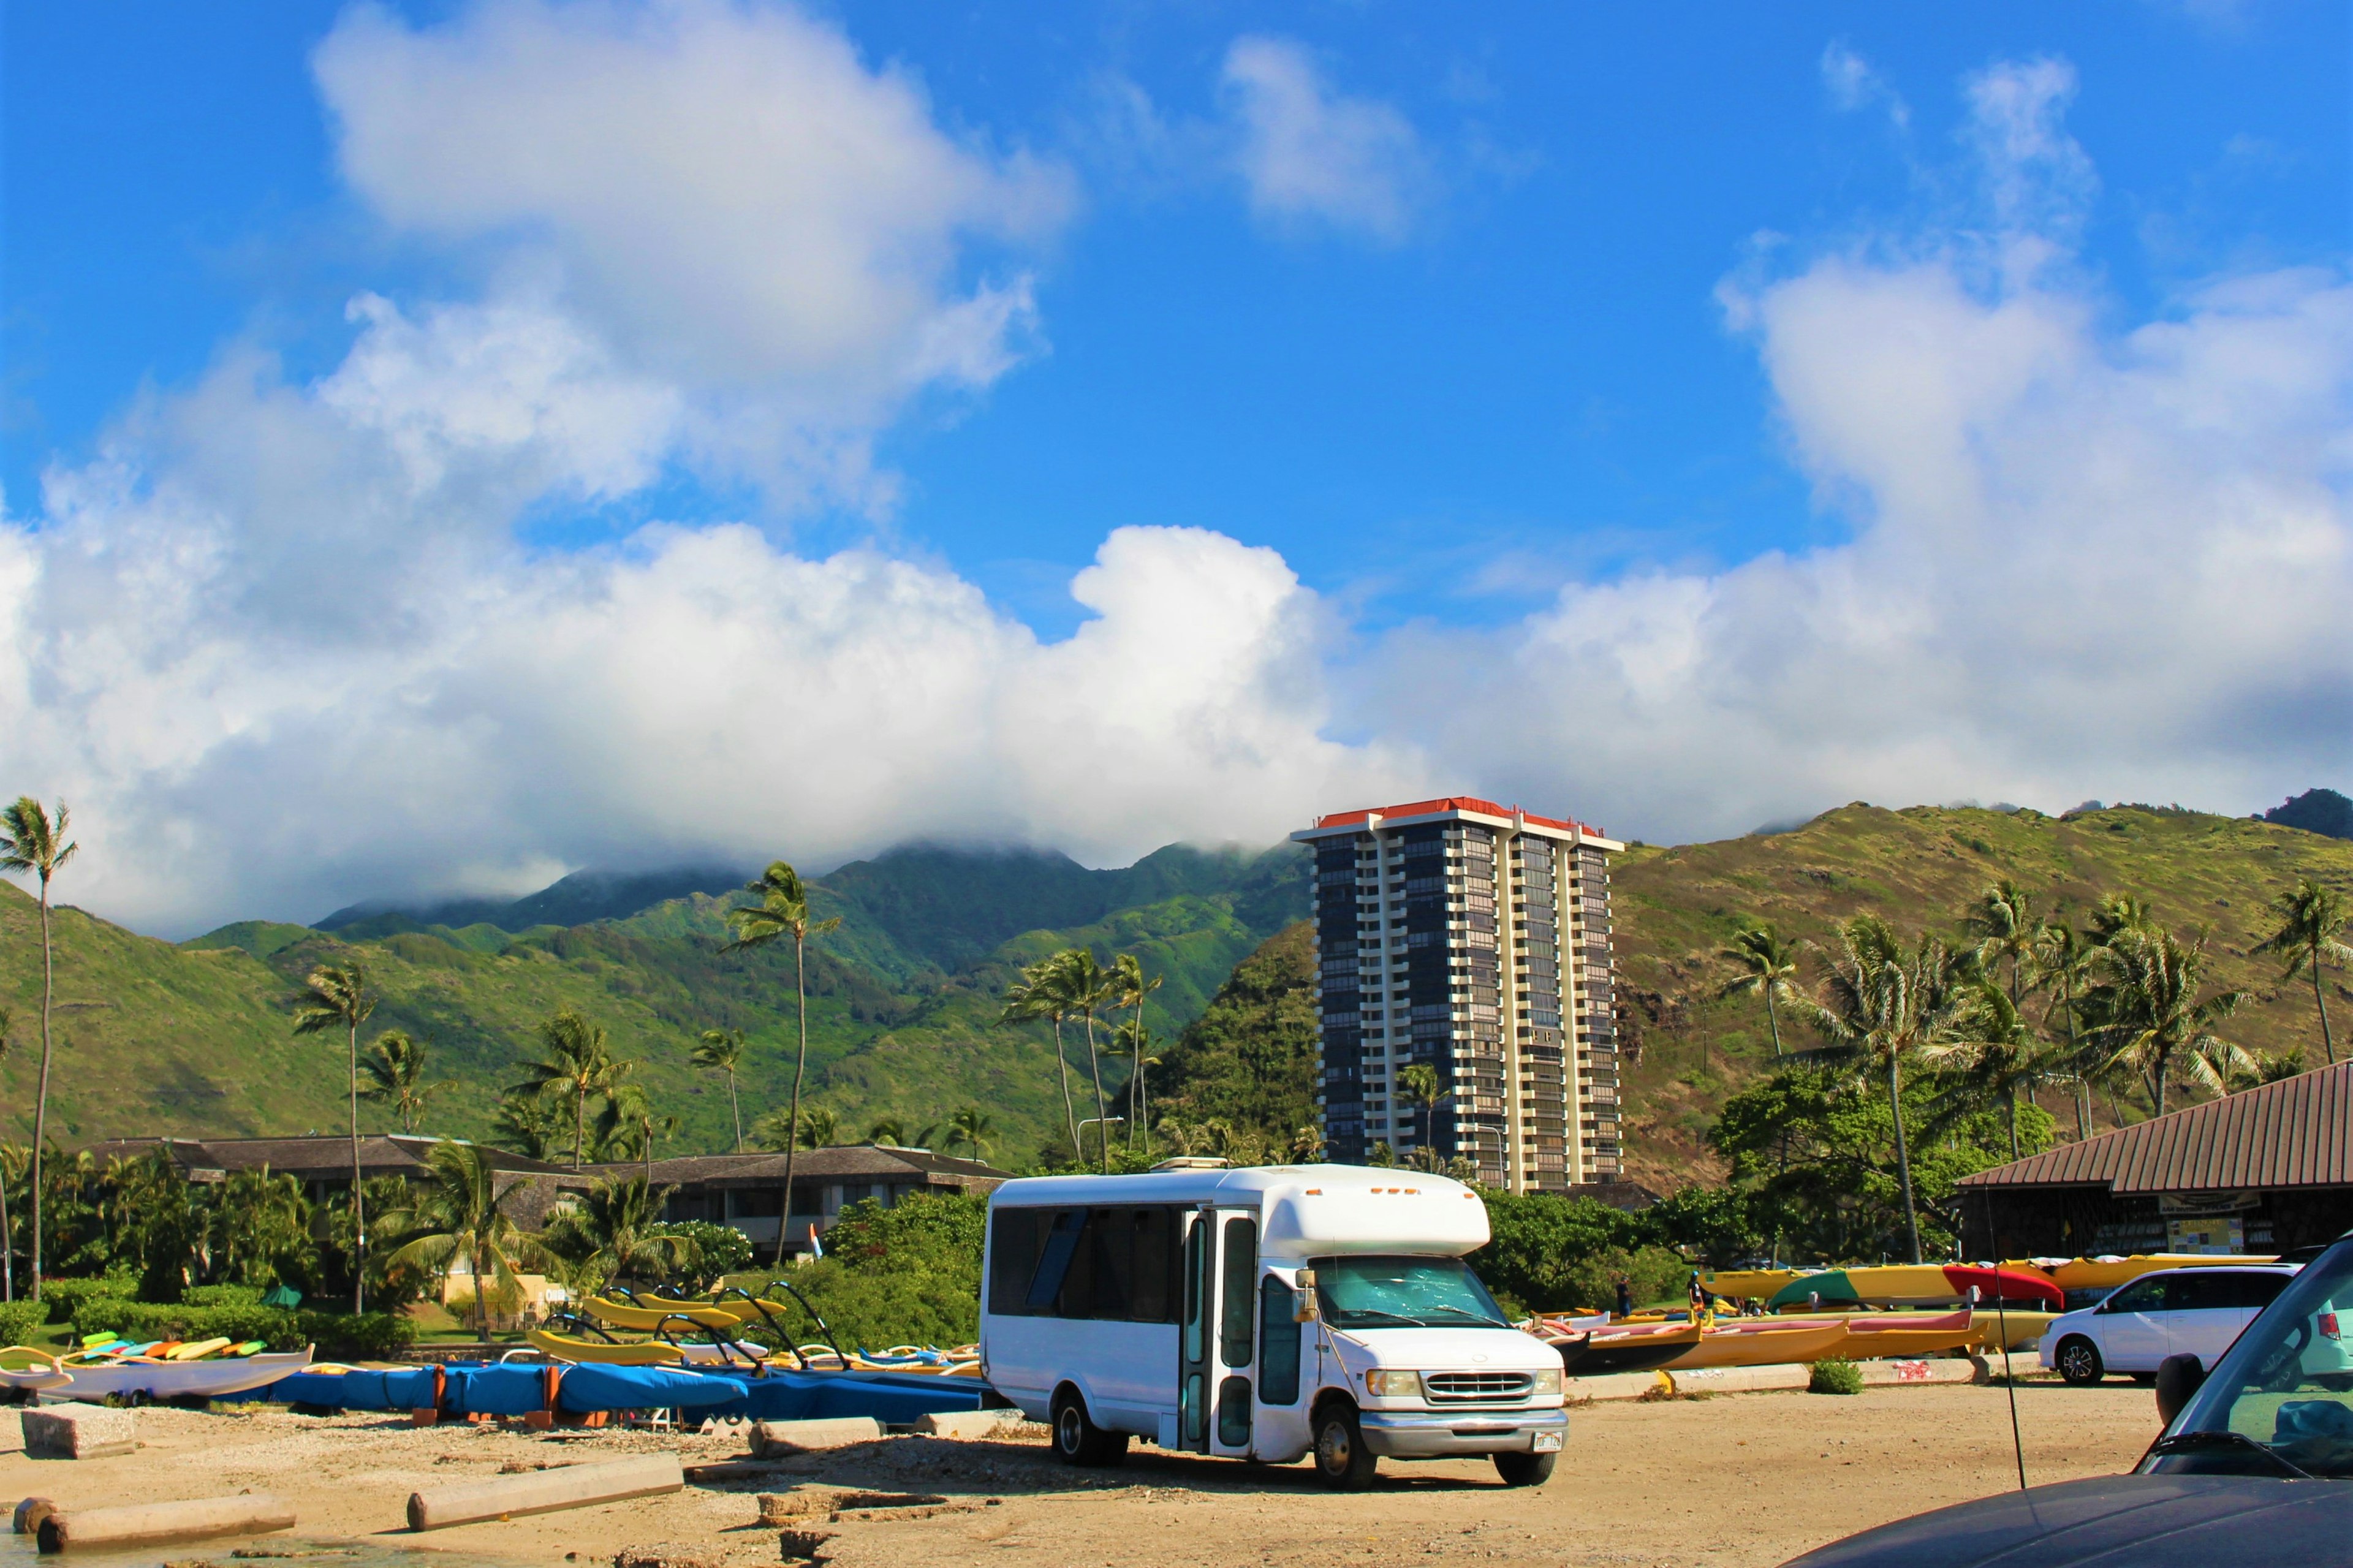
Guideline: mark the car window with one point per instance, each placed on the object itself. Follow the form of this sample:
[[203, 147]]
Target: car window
[[2204, 1291], [2286, 1385], [2140, 1296]]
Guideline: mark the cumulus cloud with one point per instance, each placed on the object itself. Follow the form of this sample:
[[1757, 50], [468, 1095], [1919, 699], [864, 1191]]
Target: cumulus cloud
[[1852, 83], [1310, 153], [724, 194]]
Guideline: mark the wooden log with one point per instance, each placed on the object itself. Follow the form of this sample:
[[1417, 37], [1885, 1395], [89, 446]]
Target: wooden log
[[31, 1512], [965, 1423], [149, 1523], [77, 1431], [545, 1491], [801, 1436]]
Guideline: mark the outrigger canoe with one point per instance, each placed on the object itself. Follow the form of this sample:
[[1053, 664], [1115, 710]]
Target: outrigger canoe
[[1595, 1353], [1740, 1344], [1913, 1285], [2108, 1273], [156, 1378]]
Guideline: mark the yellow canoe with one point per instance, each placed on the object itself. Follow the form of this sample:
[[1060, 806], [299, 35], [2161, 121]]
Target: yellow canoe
[[634, 1352], [1760, 1346], [1869, 1340], [649, 1312], [195, 1349], [2025, 1328], [2108, 1273]]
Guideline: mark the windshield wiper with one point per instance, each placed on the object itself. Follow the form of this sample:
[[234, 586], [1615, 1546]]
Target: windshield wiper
[[1348, 1317], [2191, 1442], [1467, 1312]]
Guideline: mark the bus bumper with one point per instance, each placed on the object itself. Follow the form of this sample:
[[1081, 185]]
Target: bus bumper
[[1398, 1435]]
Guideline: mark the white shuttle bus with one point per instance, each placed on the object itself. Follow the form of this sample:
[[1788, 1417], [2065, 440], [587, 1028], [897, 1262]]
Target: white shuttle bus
[[1266, 1313]]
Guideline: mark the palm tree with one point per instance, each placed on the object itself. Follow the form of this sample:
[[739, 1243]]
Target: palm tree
[[612, 1232], [783, 910], [627, 1127], [2305, 937], [395, 1065], [2147, 1014], [1987, 1042], [7, 1234], [1770, 965], [817, 1128], [1090, 988], [460, 1212], [1307, 1145], [972, 1128], [1134, 990], [529, 1124], [31, 840], [2062, 966], [889, 1129], [1418, 1085], [1133, 1041], [1036, 996], [2002, 919], [258, 1219], [338, 996], [2118, 913], [1882, 1007], [721, 1051], [575, 1064]]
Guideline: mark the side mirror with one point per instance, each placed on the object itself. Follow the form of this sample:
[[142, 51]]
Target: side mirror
[[1308, 1311], [2178, 1377]]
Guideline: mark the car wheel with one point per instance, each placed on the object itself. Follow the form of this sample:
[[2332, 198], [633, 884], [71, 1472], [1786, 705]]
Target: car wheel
[[1078, 1441], [1525, 1469], [2079, 1362], [1342, 1460]]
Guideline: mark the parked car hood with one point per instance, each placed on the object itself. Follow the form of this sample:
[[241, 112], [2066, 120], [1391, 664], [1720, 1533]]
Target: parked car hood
[[2114, 1522]]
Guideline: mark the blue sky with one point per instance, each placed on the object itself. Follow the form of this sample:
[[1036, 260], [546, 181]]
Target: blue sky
[[1431, 349]]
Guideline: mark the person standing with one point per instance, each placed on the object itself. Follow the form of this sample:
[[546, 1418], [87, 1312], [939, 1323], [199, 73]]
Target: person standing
[[1625, 1299]]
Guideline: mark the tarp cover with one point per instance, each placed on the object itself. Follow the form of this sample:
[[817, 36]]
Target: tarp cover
[[894, 1401], [589, 1386]]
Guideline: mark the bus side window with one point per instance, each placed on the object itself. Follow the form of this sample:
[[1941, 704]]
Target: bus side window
[[1014, 1239], [1278, 1331], [1239, 1256], [1154, 1233], [1054, 1262]]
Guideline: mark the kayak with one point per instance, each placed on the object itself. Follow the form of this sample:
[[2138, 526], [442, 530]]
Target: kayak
[[1592, 1353], [1743, 1284], [648, 1313], [1915, 1285], [1766, 1346], [1882, 1338], [180, 1379], [2108, 1272]]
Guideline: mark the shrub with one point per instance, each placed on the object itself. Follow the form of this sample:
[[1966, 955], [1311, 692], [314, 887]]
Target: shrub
[[64, 1296], [1653, 1274], [20, 1320], [1834, 1376], [719, 1249], [368, 1336], [371, 1336], [221, 1295]]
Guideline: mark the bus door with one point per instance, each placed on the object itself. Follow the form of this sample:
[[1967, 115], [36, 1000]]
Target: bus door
[[1218, 1343]]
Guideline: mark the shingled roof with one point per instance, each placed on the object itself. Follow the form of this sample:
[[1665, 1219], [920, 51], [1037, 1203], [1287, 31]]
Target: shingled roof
[[2297, 1132]]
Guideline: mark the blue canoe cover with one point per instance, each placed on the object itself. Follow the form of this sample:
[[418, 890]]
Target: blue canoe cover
[[589, 1386], [510, 1390], [895, 1401], [362, 1388]]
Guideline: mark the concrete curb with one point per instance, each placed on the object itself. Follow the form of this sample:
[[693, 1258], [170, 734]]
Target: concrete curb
[[1778, 1378]]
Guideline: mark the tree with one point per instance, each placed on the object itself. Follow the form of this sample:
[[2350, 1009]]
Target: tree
[[1134, 990], [2147, 1014], [575, 1064], [338, 996], [7, 1232], [614, 1231], [32, 841], [2305, 938], [529, 1124], [1768, 966], [782, 911], [888, 1128], [721, 1051], [1086, 988], [1881, 1005], [260, 1224], [1038, 996], [971, 1129], [1418, 1085], [1133, 1041], [2062, 966], [2002, 919], [818, 1129], [627, 1127], [460, 1212], [1990, 1053], [395, 1065]]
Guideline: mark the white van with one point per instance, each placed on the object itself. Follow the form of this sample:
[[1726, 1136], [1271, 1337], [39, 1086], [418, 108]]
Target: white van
[[1265, 1313]]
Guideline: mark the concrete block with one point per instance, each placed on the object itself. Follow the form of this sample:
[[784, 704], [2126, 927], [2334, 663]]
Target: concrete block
[[1739, 1379], [1614, 1386], [802, 1436], [77, 1431], [153, 1523], [965, 1423], [12, 1431], [545, 1491], [1950, 1368]]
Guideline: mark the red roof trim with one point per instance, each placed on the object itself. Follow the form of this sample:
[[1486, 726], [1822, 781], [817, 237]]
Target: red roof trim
[[1457, 803]]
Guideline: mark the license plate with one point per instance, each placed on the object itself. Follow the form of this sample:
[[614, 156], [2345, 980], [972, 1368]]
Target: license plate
[[1545, 1443]]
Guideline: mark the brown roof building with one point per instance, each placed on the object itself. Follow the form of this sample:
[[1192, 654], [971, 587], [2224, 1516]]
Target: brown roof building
[[2263, 1171], [747, 1191], [322, 1163]]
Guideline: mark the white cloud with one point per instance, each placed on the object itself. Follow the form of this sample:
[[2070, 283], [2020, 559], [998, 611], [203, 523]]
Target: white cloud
[[724, 194], [1308, 152], [1854, 84]]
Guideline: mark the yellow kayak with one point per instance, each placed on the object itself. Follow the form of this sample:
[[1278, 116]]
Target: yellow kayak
[[649, 1312], [195, 1349], [1738, 1284], [2108, 1273], [634, 1352], [1762, 1346], [2025, 1328]]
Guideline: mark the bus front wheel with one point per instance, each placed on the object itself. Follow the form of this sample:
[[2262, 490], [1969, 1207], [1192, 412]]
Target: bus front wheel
[[1078, 1441], [1525, 1469], [1342, 1460]]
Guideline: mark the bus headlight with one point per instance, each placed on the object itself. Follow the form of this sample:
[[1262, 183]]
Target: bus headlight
[[1383, 1383], [1548, 1382]]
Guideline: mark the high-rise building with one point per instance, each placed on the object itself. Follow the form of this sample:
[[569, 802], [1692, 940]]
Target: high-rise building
[[1473, 937]]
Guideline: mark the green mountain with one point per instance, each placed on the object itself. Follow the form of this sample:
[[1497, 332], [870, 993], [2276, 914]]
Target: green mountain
[[902, 1016]]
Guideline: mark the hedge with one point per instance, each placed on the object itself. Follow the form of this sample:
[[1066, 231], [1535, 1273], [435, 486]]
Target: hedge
[[372, 1336], [20, 1320], [64, 1296]]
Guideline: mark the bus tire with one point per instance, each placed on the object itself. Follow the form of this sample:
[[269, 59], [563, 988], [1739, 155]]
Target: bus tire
[[1525, 1469], [2079, 1363], [1342, 1460], [1078, 1441]]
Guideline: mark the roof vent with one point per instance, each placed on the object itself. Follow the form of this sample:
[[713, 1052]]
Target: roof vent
[[1194, 1163]]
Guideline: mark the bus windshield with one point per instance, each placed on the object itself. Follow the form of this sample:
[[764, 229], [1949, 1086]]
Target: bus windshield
[[1403, 1292], [2279, 1401]]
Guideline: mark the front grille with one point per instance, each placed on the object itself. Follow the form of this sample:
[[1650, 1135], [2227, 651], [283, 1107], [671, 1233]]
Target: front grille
[[1476, 1387]]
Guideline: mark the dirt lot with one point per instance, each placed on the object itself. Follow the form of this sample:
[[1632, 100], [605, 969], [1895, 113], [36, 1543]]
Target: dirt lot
[[1737, 1479]]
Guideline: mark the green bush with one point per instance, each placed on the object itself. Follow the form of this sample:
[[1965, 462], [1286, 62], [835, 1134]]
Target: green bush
[[904, 1275], [20, 1320], [719, 1249], [64, 1296], [1653, 1274], [1834, 1377], [341, 1336], [372, 1336], [221, 1295]]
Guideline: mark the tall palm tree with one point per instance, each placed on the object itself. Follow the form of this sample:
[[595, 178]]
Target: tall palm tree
[[627, 1127], [1037, 996], [1882, 1004], [1992, 1052], [2062, 966], [782, 911], [460, 1212], [611, 1233], [1419, 1085], [2305, 937], [971, 1129], [575, 1064], [7, 1233], [529, 1124], [395, 1065], [888, 1128], [337, 995], [1090, 989], [721, 1051], [33, 841], [2002, 921], [1769, 968], [2147, 1014], [2118, 913], [1133, 1042], [1134, 990]]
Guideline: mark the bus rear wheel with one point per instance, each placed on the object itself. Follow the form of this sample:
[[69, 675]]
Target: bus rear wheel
[[1078, 1441], [1525, 1469], [1342, 1460]]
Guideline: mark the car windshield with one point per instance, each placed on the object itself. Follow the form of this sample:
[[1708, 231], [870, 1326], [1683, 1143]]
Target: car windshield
[[2281, 1400], [1404, 1293]]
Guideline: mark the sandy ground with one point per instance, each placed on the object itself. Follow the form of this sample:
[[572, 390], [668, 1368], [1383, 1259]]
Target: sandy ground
[[1736, 1479]]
